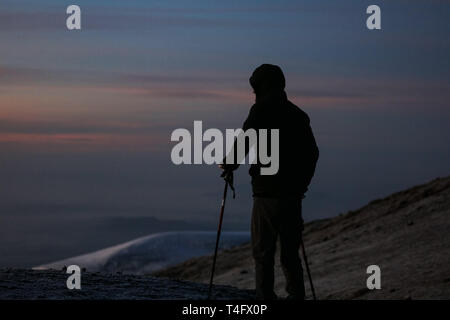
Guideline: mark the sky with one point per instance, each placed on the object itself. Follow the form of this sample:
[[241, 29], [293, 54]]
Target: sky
[[86, 115]]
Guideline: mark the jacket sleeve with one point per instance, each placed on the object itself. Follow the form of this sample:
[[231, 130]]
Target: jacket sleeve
[[249, 123]]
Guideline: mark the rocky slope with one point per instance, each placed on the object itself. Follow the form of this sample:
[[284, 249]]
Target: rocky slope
[[406, 234], [51, 284]]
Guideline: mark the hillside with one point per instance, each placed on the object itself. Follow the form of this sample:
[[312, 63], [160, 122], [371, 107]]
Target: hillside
[[406, 234]]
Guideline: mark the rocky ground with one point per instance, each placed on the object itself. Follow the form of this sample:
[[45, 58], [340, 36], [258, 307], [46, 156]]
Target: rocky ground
[[406, 234], [51, 284]]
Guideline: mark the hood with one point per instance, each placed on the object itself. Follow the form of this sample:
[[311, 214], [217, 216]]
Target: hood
[[267, 79]]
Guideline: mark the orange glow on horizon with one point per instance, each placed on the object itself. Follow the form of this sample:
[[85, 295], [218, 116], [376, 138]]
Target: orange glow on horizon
[[84, 142]]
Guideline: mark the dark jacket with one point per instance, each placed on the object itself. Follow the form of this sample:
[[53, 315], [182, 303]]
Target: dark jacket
[[298, 152]]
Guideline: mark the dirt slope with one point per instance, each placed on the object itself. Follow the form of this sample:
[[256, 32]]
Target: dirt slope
[[407, 234]]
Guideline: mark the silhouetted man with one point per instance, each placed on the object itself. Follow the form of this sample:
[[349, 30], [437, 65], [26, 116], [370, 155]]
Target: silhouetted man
[[278, 198]]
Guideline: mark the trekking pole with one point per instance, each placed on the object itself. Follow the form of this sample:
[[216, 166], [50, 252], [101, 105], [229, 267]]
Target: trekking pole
[[305, 258], [228, 180]]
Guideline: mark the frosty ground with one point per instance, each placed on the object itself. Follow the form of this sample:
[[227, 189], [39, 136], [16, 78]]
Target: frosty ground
[[51, 284]]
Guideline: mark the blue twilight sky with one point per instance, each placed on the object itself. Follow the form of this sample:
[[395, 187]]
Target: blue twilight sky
[[86, 116]]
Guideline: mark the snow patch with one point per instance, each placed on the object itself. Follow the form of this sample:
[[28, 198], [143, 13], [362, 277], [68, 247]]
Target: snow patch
[[152, 252]]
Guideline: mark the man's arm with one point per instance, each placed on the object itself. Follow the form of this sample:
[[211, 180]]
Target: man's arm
[[249, 123]]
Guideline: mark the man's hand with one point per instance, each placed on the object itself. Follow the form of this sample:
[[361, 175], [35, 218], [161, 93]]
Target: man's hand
[[227, 174], [226, 170], [228, 167]]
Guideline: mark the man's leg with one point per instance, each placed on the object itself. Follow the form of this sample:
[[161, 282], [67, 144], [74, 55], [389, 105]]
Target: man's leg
[[291, 225], [264, 237]]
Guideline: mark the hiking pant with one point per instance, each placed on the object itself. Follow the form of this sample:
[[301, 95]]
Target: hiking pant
[[273, 217]]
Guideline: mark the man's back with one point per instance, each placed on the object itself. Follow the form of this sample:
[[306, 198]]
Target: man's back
[[298, 151]]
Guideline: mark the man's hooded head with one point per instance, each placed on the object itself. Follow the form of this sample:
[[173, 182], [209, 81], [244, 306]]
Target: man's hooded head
[[267, 79]]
